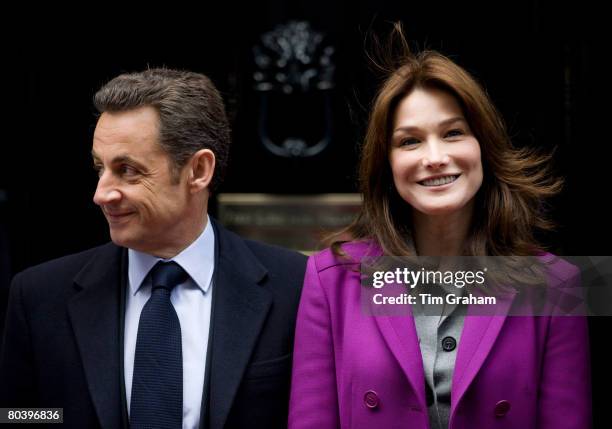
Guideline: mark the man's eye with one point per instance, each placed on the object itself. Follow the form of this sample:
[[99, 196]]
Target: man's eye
[[98, 169], [127, 170]]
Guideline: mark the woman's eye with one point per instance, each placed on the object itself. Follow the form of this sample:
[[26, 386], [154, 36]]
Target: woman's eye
[[409, 141], [454, 133]]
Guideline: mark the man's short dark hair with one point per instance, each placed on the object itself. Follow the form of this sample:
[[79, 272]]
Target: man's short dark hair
[[191, 112]]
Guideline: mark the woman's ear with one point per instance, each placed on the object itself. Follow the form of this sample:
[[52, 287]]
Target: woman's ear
[[202, 168]]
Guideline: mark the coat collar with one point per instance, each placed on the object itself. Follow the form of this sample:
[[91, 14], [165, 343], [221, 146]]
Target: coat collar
[[240, 307], [96, 321], [477, 338]]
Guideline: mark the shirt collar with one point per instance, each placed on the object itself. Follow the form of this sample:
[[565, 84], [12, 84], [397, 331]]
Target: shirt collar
[[198, 260]]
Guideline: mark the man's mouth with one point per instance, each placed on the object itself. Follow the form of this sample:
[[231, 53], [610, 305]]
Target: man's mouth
[[439, 181], [117, 216]]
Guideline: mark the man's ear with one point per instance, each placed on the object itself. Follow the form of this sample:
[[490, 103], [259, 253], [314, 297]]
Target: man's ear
[[201, 170]]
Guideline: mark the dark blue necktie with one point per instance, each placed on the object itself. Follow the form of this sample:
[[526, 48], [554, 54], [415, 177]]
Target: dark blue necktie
[[157, 383]]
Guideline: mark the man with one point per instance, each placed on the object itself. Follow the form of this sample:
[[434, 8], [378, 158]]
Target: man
[[177, 322]]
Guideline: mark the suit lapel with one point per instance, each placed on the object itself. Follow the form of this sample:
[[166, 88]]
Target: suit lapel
[[400, 335], [477, 339], [399, 331], [240, 307], [94, 314]]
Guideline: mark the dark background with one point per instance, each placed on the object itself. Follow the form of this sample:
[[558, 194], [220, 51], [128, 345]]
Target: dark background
[[541, 64]]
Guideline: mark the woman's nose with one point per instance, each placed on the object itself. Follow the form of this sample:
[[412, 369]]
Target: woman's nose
[[435, 156]]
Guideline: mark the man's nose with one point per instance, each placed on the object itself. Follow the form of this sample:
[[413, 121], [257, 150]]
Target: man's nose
[[106, 191], [436, 155]]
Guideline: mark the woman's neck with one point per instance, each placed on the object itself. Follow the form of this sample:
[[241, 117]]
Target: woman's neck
[[443, 235]]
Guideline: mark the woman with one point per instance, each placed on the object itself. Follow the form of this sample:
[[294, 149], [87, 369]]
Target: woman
[[439, 176]]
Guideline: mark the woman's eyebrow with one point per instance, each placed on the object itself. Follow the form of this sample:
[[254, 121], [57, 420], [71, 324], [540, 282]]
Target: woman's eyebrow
[[445, 122]]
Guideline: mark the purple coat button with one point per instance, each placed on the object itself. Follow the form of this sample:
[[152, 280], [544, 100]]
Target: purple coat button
[[370, 399], [502, 408]]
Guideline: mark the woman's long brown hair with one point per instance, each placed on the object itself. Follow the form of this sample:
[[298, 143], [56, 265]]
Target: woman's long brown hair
[[509, 205]]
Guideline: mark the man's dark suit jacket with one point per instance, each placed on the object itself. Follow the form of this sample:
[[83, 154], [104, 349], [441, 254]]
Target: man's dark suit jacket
[[63, 344]]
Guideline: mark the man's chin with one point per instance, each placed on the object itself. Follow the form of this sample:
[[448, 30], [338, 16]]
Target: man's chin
[[120, 238]]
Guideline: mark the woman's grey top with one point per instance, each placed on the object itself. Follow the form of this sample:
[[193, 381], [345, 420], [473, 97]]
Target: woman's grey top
[[439, 330]]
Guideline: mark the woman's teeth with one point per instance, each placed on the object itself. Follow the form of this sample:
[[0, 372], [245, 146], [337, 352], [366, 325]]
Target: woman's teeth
[[439, 180]]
